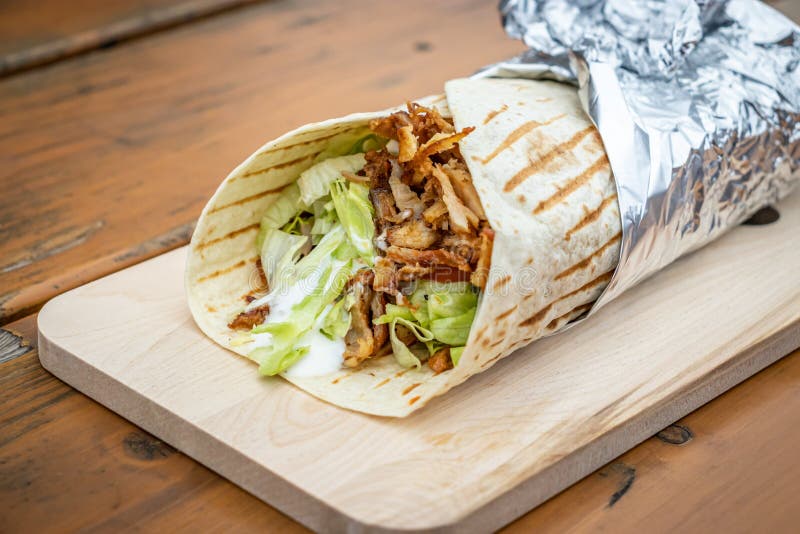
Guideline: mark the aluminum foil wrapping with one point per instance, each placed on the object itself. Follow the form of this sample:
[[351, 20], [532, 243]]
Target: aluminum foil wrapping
[[697, 103]]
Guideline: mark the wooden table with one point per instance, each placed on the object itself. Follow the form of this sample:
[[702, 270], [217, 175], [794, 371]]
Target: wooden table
[[115, 130]]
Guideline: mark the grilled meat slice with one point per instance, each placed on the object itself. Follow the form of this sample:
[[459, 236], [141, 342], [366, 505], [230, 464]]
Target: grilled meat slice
[[440, 361], [462, 218], [359, 340], [427, 122], [380, 332], [436, 214], [385, 213], [464, 245], [439, 273], [388, 126], [462, 184], [407, 143], [481, 272], [412, 234], [427, 257], [250, 318], [439, 143], [378, 168], [385, 276], [408, 273], [404, 197]]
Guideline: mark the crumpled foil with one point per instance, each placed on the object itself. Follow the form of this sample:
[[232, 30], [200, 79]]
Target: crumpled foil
[[697, 103]]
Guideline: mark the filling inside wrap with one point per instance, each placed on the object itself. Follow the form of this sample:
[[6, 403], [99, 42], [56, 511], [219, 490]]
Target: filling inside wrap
[[352, 256], [380, 249]]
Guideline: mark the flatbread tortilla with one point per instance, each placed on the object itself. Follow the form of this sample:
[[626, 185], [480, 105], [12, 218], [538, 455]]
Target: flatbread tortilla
[[545, 184]]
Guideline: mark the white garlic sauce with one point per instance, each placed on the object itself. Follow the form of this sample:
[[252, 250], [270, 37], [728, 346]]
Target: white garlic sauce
[[325, 355]]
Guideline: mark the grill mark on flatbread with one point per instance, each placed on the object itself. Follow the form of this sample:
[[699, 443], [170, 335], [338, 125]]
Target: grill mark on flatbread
[[411, 388], [538, 316], [499, 341], [283, 165], [481, 332], [226, 270], [506, 313], [572, 185], [586, 261], [501, 282], [382, 383], [229, 235], [489, 362], [495, 113], [580, 310], [605, 277], [559, 150], [590, 217], [401, 373], [518, 134], [250, 198], [412, 401], [310, 141]]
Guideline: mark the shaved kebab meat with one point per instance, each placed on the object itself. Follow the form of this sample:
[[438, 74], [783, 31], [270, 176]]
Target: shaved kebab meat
[[429, 225], [247, 319]]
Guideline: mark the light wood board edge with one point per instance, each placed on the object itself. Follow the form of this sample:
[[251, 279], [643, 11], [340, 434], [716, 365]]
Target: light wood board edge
[[319, 516]]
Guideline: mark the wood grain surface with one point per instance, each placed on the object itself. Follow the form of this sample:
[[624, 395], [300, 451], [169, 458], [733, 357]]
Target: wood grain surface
[[114, 153], [492, 448], [37, 32], [67, 463], [728, 465], [736, 472]]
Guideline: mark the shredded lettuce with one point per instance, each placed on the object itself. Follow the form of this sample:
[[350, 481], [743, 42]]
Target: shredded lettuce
[[337, 320], [282, 353], [404, 356], [337, 217], [439, 314], [300, 224], [455, 354], [323, 274], [392, 311], [453, 331], [279, 252], [354, 210], [315, 182], [451, 313], [453, 299], [361, 140], [322, 253], [419, 307], [285, 207], [322, 226], [271, 364], [402, 315]]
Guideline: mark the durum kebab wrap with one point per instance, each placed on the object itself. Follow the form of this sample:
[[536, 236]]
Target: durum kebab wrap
[[378, 260]]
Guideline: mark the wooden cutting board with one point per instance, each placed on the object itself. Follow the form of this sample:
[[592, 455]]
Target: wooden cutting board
[[479, 456]]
